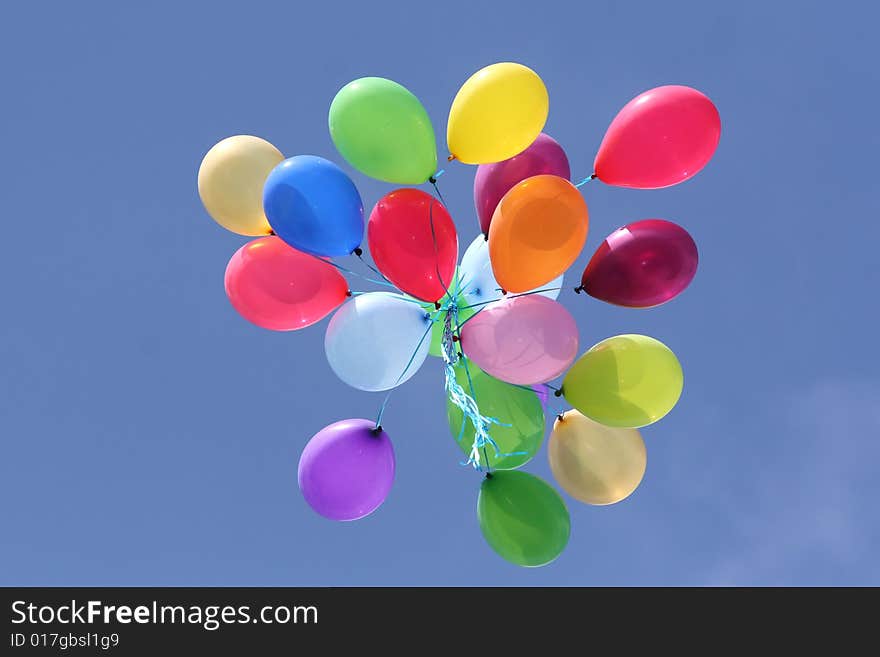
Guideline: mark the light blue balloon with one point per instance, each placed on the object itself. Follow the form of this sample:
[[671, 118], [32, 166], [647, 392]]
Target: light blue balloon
[[378, 340], [478, 282], [313, 206]]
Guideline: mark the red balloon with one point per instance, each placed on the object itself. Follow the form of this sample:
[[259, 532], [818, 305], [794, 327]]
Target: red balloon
[[660, 138], [641, 265], [418, 260], [277, 287]]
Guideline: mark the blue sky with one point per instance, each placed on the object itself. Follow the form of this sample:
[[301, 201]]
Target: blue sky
[[151, 436]]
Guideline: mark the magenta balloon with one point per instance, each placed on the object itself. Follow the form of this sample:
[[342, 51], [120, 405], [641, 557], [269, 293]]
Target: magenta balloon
[[641, 265], [493, 181], [660, 138], [346, 469], [543, 394], [522, 340]]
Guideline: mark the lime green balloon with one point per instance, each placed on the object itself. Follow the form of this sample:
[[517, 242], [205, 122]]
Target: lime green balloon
[[383, 130], [625, 381], [523, 518], [509, 404], [436, 346]]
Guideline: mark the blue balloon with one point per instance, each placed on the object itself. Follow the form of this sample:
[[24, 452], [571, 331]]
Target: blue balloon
[[313, 206]]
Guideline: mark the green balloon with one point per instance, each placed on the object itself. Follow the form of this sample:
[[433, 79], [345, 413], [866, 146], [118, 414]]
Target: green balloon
[[436, 347], [383, 130], [523, 518], [509, 404], [625, 381]]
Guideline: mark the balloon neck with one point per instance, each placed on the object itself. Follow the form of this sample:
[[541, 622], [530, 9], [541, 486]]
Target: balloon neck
[[451, 158], [579, 289], [488, 475], [485, 237], [558, 393], [358, 251], [377, 430]]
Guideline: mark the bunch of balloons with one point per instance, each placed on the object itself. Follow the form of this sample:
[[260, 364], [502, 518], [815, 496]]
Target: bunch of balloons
[[493, 318]]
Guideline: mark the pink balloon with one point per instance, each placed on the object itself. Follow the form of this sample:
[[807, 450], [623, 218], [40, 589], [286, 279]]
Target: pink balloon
[[493, 181], [641, 265], [660, 138], [523, 340], [277, 287]]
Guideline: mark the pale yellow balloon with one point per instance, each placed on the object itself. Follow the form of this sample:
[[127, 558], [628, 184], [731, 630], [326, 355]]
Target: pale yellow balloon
[[231, 180], [594, 463], [498, 112]]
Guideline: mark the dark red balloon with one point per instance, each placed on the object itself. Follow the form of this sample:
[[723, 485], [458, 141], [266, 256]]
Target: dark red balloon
[[416, 258], [641, 265]]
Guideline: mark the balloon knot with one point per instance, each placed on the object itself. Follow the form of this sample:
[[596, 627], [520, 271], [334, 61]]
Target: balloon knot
[[578, 289], [348, 293], [488, 475], [485, 237], [358, 251], [560, 417], [437, 305], [558, 393], [377, 430], [593, 176], [455, 338], [503, 291], [432, 180], [272, 232], [450, 158]]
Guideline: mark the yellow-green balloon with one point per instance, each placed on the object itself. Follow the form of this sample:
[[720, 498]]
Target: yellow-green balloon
[[523, 518], [625, 381], [383, 130], [518, 408]]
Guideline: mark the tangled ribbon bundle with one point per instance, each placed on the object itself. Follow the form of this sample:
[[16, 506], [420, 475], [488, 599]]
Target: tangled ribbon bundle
[[493, 318]]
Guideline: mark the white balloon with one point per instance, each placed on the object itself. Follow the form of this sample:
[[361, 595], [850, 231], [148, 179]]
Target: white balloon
[[378, 340], [478, 282]]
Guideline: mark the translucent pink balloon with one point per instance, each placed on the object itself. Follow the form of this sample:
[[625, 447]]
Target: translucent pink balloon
[[641, 265], [493, 181], [523, 340], [277, 287], [660, 138]]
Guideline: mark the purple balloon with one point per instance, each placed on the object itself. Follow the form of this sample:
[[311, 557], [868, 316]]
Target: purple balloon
[[493, 181], [522, 340], [346, 469], [543, 394], [642, 265]]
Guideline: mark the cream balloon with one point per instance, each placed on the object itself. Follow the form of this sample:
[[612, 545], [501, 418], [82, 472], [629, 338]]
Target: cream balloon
[[593, 463], [231, 179]]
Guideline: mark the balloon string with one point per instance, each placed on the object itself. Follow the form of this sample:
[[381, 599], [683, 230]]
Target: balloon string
[[436, 254], [511, 296], [437, 189], [585, 180], [360, 256], [402, 374], [351, 272]]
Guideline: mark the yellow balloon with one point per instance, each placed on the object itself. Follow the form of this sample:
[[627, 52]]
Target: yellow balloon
[[497, 114], [594, 463], [625, 381], [231, 180]]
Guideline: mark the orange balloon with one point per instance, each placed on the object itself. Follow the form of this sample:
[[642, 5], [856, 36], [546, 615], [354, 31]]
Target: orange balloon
[[537, 232]]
